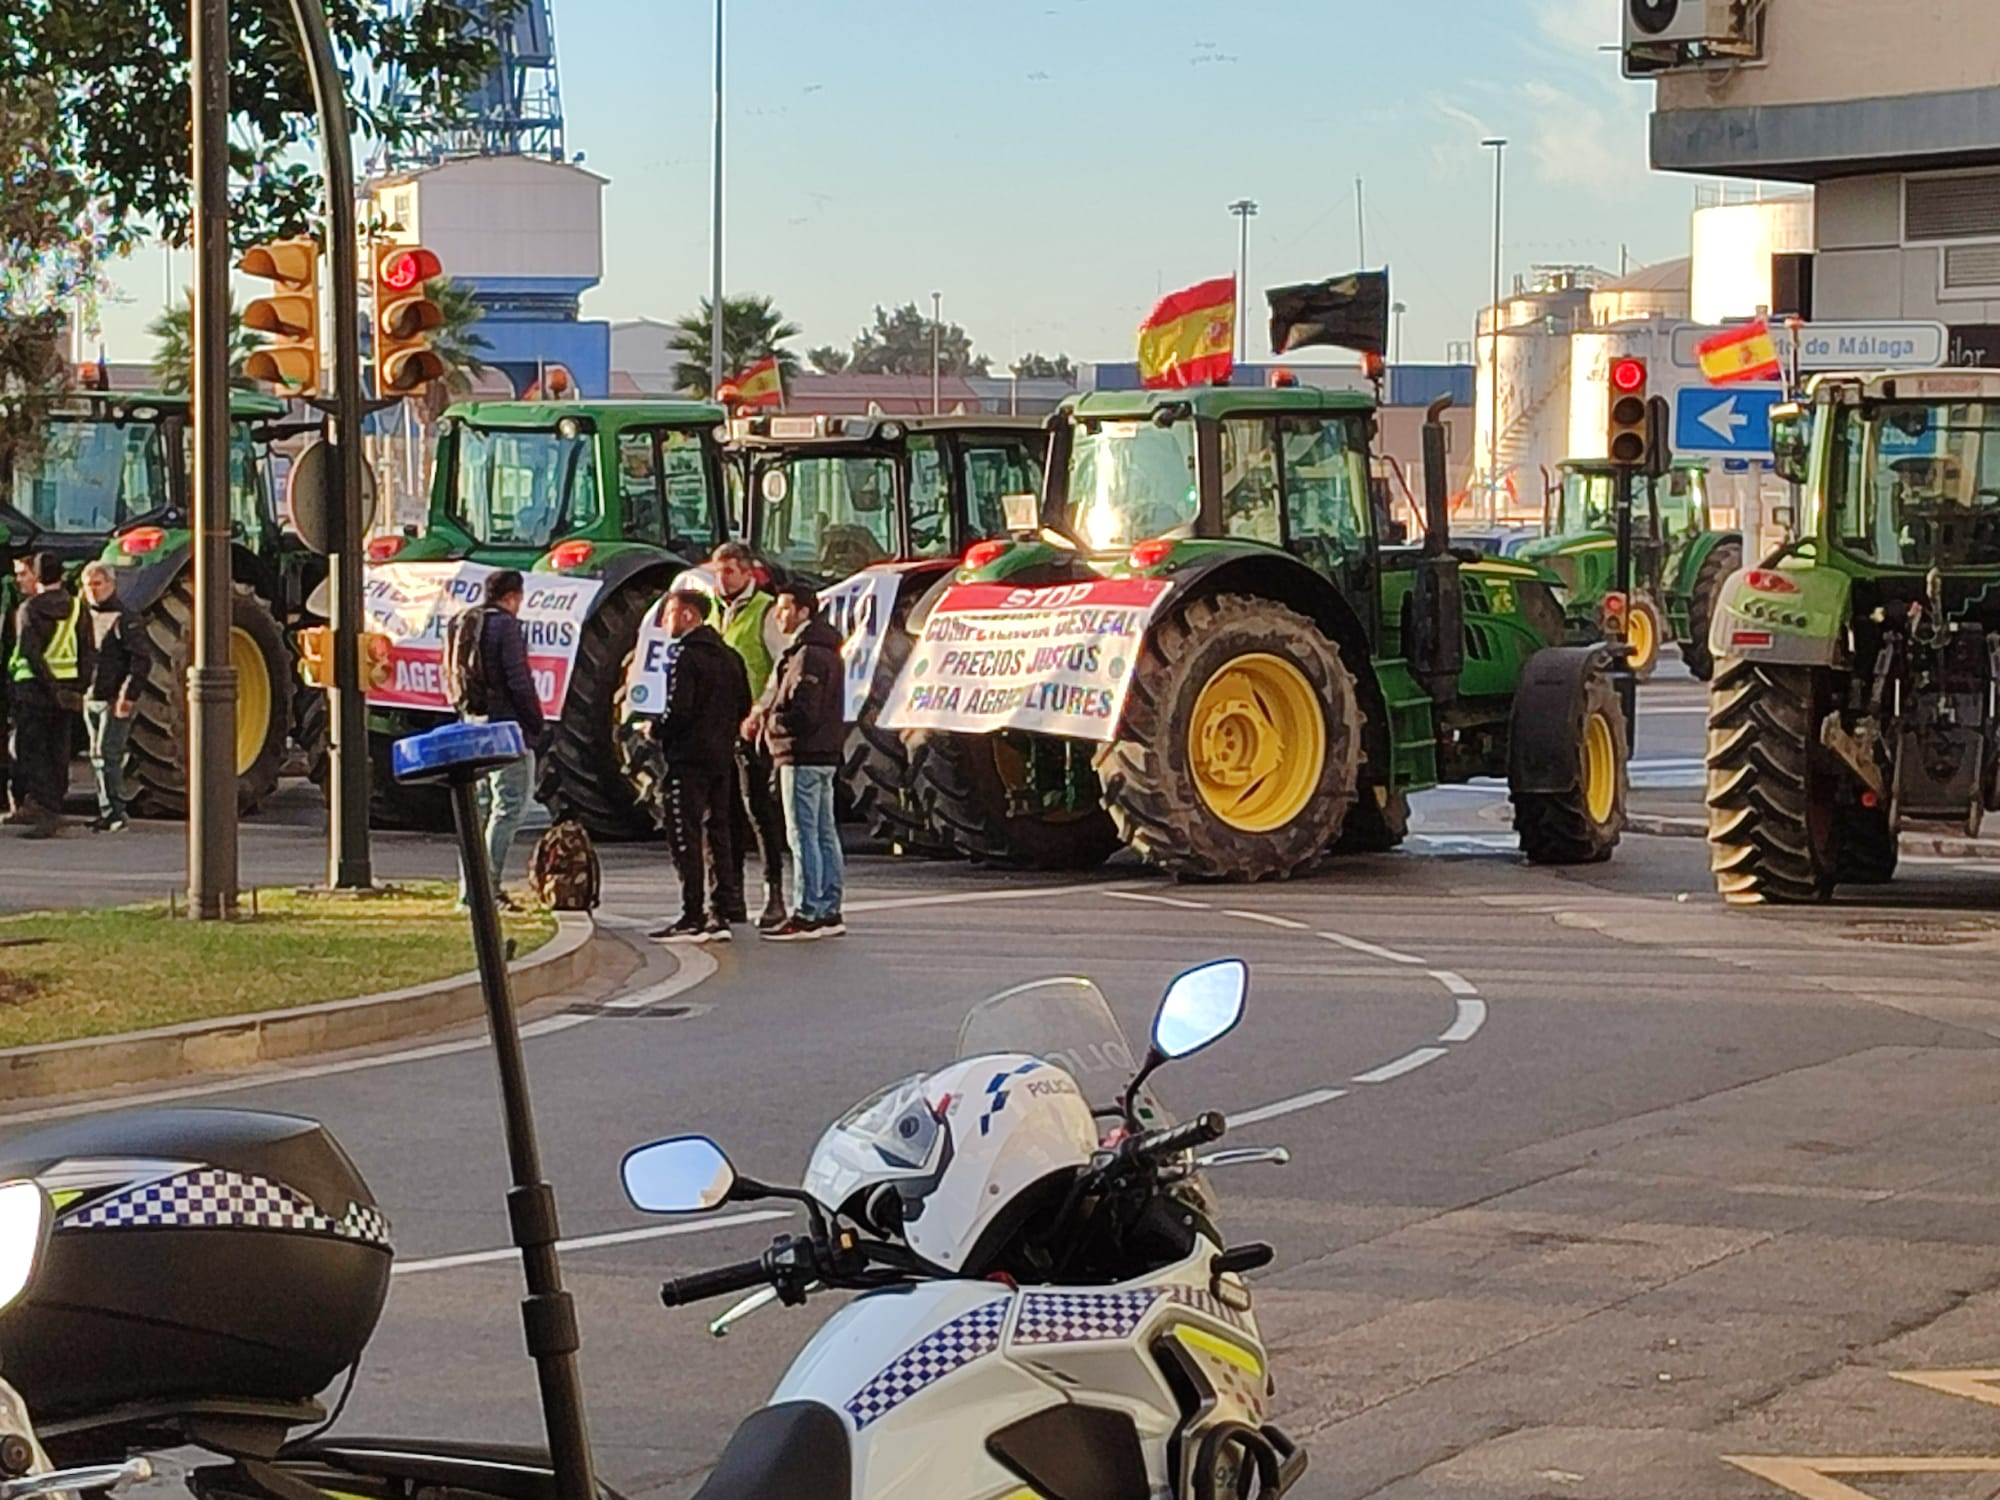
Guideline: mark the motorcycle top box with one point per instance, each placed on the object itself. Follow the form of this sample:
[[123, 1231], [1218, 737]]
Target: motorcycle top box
[[205, 1266]]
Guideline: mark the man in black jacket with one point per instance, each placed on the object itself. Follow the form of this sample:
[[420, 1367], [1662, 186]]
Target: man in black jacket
[[802, 720], [708, 695], [45, 673], [510, 697], [119, 636]]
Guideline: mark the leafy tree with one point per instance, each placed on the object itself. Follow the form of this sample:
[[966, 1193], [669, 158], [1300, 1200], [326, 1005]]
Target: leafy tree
[[173, 347], [752, 329], [899, 343], [1041, 367], [828, 360], [456, 342], [119, 70]]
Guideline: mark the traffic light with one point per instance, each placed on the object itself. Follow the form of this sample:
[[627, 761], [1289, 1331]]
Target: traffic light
[[404, 319], [375, 652], [289, 315], [1630, 438], [316, 656], [378, 666]]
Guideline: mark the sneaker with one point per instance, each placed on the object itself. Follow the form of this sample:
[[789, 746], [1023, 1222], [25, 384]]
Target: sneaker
[[45, 828], [793, 930], [681, 932], [98, 824], [737, 913], [774, 917], [718, 932], [830, 925]]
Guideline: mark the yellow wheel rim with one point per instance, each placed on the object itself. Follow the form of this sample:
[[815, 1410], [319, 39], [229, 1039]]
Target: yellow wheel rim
[[1643, 639], [253, 697], [1257, 743], [1600, 768]]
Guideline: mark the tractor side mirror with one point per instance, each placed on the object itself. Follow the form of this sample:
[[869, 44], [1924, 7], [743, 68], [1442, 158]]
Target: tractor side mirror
[[1790, 433], [1786, 519], [1396, 533]]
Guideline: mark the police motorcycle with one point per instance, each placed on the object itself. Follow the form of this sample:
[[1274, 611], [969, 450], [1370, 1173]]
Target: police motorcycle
[[1047, 1308]]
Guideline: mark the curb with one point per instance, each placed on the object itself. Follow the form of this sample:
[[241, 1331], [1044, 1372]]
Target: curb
[[1664, 827], [1942, 845], [227, 1043]]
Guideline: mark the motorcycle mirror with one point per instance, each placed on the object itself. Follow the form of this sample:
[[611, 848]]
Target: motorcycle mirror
[[688, 1174], [24, 1230], [1200, 1006]]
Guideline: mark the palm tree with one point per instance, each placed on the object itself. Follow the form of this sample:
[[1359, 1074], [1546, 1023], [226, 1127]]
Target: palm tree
[[455, 343], [752, 329], [173, 347]]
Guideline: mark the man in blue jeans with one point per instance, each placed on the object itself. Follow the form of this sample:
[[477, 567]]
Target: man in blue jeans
[[509, 697], [802, 720]]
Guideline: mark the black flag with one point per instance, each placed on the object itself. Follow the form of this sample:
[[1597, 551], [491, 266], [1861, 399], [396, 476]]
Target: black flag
[[1349, 311]]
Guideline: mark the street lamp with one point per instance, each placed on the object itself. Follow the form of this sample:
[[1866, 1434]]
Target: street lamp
[[937, 353], [1397, 309], [1245, 210], [1498, 146], [715, 370]]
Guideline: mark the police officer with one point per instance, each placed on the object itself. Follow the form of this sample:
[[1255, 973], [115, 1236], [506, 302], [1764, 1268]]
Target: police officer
[[44, 686]]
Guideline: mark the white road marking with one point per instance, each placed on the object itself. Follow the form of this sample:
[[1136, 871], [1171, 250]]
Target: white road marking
[[695, 966], [1266, 918], [1158, 900], [587, 1242], [1373, 950], [1409, 1062], [1457, 984], [966, 898], [1285, 1107], [1676, 708], [1471, 1016]]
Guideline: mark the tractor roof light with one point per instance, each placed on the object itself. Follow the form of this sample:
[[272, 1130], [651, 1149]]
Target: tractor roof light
[[1770, 581], [570, 554], [979, 554], [1152, 552], [382, 548], [142, 540]]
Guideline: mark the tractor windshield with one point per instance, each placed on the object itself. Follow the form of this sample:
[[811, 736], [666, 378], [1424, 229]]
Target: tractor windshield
[[1587, 502], [523, 489], [1132, 480], [91, 477], [1917, 485], [830, 514]]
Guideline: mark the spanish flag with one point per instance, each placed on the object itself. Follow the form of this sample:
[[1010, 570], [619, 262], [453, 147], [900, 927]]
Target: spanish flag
[[1188, 337], [760, 385], [1738, 354]]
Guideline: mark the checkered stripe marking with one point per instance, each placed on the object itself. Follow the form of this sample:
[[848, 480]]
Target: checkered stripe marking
[[209, 1198], [1081, 1317], [959, 1342]]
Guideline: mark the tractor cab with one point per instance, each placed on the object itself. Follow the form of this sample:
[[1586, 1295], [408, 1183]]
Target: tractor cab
[[825, 496]]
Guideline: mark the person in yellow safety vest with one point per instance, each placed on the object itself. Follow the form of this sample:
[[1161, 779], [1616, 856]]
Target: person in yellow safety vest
[[751, 631], [44, 691]]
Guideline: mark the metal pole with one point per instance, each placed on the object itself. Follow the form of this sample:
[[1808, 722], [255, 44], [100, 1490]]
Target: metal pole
[[1498, 145], [349, 866], [1627, 681], [937, 353], [1245, 209], [715, 371], [547, 1312], [211, 680], [1396, 342]]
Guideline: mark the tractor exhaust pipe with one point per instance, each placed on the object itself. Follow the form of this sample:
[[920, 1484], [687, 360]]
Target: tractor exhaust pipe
[[1437, 501]]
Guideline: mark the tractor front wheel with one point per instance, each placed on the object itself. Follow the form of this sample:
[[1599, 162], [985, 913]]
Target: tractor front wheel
[[1709, 578], [1773, 813], [584, 775], [1580, 825], [1645, 628], [1240, 750], [875, 771], [158, 757], [982, 791]]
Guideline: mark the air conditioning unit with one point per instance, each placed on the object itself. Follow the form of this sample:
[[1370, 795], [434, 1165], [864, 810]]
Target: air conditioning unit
[[1665, 34]]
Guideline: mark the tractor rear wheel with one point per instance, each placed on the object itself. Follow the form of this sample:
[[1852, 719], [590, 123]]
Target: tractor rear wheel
[[157, 765], [583, 772], [1579, 826], [1773, 816], [416, 807], [1240, 749], [980, 790], [1378, 822], [1867, 846], [1645, 629], [876, 767], [1714, 571]]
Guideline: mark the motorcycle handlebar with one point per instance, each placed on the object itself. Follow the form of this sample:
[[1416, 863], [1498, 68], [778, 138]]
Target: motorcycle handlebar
[[717, 1283], [1207, 1126]]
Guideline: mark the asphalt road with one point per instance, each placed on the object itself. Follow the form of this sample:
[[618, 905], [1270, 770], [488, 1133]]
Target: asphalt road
[[1595, 1182]]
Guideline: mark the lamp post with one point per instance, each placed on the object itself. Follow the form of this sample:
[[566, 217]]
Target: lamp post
[[1396, 310], [1245, 210], [937, 353], [715, 228], [1498, 146]]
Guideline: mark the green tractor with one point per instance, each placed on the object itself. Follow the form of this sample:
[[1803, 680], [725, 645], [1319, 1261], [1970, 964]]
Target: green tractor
[[113, 480], [1857, 666], [829, 497], [1304, 670], [1678, 560], [628, 494]]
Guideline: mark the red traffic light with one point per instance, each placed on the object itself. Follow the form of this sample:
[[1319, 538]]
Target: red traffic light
[[1628, 375], [401, 270]]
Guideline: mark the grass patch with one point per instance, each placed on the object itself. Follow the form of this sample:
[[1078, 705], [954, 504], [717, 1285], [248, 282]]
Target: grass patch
[[94, 973]]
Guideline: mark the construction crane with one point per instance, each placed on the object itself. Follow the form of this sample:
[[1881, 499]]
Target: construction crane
[[517, 108]]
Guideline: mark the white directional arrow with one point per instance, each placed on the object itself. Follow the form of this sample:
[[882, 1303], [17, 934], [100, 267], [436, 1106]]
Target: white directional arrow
[[1724, 420]]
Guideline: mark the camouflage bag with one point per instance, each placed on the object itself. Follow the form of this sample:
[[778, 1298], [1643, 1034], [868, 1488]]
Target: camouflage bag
[[562, 871]]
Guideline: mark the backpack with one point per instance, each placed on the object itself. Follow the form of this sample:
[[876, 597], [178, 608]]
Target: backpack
[[464, 663], [562, 871]]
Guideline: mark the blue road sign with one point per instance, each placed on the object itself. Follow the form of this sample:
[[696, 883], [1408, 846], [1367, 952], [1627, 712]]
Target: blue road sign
[[1728, 419]]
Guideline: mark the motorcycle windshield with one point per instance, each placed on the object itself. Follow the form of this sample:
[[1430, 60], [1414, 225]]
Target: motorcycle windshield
[[1066, 1021]]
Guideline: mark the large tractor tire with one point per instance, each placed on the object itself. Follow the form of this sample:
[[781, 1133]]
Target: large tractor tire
[[584, 775], [1773, 814], [1378, 822], [159, 749], [1645, 630], [1708, 581], [1240, 750], [411, 807], [312, 733], [1867, 847], [876, 769], [971, 787], [1580, 825]]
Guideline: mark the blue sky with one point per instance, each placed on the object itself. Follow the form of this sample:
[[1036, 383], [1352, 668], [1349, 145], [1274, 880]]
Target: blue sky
[[1052, 165]]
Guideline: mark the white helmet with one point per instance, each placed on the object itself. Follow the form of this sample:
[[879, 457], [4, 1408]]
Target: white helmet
[[961, 1150]]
